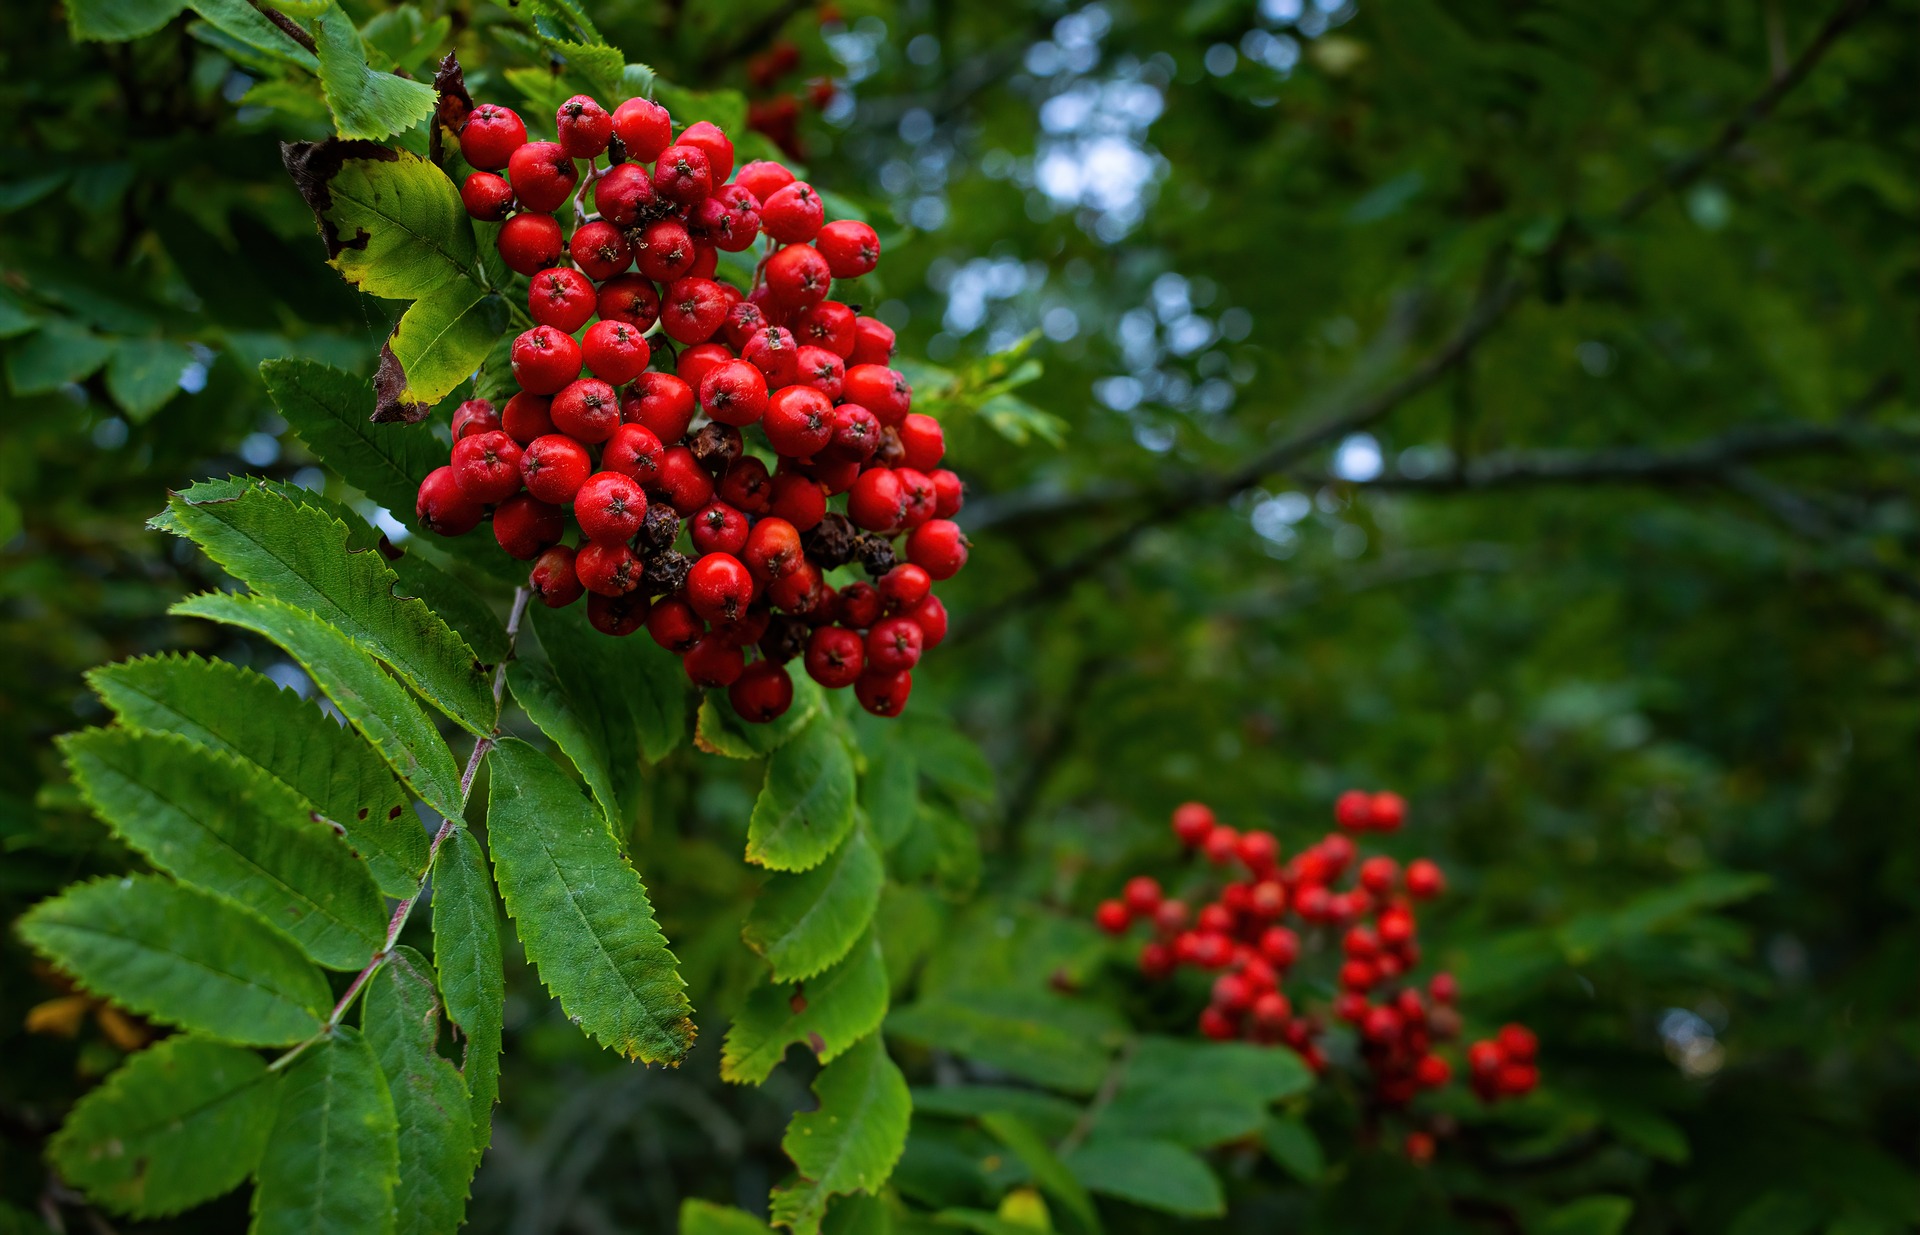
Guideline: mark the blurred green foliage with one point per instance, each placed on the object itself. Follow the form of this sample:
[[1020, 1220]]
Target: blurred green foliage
[[1620, 592]]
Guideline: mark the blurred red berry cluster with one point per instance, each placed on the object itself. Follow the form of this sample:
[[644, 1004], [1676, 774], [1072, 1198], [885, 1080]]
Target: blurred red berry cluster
[[1271, 911]]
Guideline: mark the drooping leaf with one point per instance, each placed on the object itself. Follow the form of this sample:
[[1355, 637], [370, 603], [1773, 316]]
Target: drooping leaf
[[144, 374], [719, 730], [392, 221], [178, 1124], [1293, 1145], [1200, 1094], [621, 695], [365, 102], [582, 912], [181, 957], [804, 923], [292, 552], [247, 715], [439, 341], [1035, 1035], [851, 1142], [828, 1013], [699, 1217], [332, 1160], [118, 20], [373, 703], [581, 734], [402, 1025], [228, 827], [1157, 1174], [466, 945], [890, 793], [1047, 1169], [805, 808]]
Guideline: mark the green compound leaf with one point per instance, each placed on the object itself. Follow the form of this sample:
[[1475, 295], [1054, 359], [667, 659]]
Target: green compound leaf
[[805, 808], [851, 1143], [582, 912], [228, 827], [402, 1025], [890, 793], [181, 957], [177, 1125], [804, 923], [241, 713], [392, 221], [364, 102], [115, 21], [329, 410], [245, 24], [829, 1013], [333, 1157], [473, 985], [373, 703], [1201, 1094], [721, 731], [437, 344], [626, 700], [1157, 1174], [1035, 1035], [294, 553]]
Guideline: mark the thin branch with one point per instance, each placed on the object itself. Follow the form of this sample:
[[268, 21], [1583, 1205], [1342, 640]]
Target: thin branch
[[293, 29], [1102, 1098]]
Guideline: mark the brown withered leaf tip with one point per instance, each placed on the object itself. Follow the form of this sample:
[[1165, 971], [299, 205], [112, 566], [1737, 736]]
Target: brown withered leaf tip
[[389, 383], [313, 165], [450, 83]]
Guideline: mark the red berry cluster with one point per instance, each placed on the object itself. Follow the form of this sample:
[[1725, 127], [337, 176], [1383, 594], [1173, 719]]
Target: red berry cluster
[[604, 422], [1259, 926]]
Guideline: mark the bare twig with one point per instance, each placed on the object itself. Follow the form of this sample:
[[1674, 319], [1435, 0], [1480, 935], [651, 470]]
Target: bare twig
[[291, 28]]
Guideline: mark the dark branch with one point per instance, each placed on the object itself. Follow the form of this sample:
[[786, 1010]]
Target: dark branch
[[293, 29]]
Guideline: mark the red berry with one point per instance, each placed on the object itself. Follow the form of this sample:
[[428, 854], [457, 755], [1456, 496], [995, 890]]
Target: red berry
[[601, 251], [718, 528], [763, 179], [1378, 875], [797, 277], [712, 140], [905, 585], [1258, 850], [587, 411], [1443, 988], [1517, 1043], [1280, 946], [713, 662], [1388, 811], [822, 370], [693, 310], [543, 175], [584, 126], [763, 693], [1192, 822], [699, 360], [799, 421], [662, 403], [674, 626], [856, 434], [734, 393], [530, 242], [877, 503], [552, 578], [608, 569], [1336, 850], [442, 508], [771, 350], [683, 482], [487, 467], [1112, 917], [773, 550], [747, 486], [527, 416], [883, 693], [631, 299], [880, 390], [1142, 895], [873, 342], [895, 644], [486, 196], [1353, 810], [931, 616], [561, 298], [554, 467], [1221, 846], [850, 247], [644, 127], [793, 214], [610, 507], [1518, 1079], [525, 525], [1396, 927], [664, 251], [800, 500], [1231, 993], [1212, 950], [923, 440], [623, 194], [835, 656], [474, 416], [615, 351], [618, 616], [682, 174], [1218, 1025], [828, 325], [490, 136], [719, 587], [1424, 880], [545, 360]]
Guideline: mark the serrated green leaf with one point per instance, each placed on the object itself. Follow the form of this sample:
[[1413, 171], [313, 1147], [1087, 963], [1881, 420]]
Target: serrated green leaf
[[890, 794], [144, 374], [466, 945], [437, 344], [245, 24], [62, 351], [294, 553], [365, 102], [851, 1142], [699, 1217], [1200, 1094], [582, 912], [392, 221], [1047, 1169], [245, 714], [329, 409], [1157, 1174], [1293, 1145], [608, 677], [572, 729], [332, 1159], [835, 1010], [119, 20], [1035, 1035], [804, 923], [373, 703], [181, 957], [805, 809], [231, 829], [178, 1124], [402, 1025], [720, 731]]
